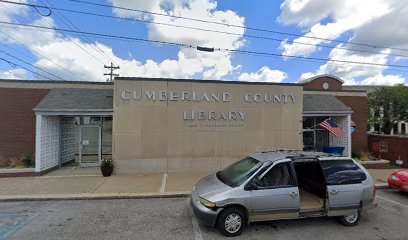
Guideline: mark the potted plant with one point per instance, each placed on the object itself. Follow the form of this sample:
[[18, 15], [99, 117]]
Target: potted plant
[[106, 167]]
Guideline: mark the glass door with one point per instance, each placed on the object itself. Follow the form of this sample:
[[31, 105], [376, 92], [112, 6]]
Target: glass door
[[89, 146], [309, 137]]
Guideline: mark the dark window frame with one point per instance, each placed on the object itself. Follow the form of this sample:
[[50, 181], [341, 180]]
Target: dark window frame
[[291, 171], [341, 178]]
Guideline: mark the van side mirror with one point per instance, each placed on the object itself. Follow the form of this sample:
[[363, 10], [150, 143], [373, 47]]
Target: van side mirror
[[251, 186]]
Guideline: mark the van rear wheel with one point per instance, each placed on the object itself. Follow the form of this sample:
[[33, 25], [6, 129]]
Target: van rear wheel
[[231, 222], [351, 220]]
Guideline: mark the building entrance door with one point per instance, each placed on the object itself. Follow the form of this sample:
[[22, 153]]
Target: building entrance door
[[89, 146]]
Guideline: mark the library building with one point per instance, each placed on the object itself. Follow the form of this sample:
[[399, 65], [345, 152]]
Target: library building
[[175, 125]]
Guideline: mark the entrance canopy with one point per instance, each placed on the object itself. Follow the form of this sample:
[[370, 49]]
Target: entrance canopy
[[76, 101], [322, 105], [73, 123], [318, 108]]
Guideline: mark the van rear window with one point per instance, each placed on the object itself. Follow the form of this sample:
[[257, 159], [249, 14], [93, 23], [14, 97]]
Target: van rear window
[[340, 172]]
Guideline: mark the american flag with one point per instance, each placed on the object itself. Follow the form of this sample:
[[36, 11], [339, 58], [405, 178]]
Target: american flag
[[331, 127]]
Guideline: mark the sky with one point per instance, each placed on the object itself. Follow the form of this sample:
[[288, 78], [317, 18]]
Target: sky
[[362, 42]]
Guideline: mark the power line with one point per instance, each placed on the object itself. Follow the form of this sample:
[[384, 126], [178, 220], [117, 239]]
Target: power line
[[234, 25], [209, 30], [45, 19], [248, 54], [21, 60], [13, 64], [70, 39], [193, 46], [222, 32], [72, 26], [67, 73]]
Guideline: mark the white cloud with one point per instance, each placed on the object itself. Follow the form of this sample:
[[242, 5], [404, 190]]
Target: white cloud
[[71, 62], [381, 79], [8, 10], [305, 12], [265, 74], [368, 21], [13, 74], [214, 65], [348, 70], [342, 16]]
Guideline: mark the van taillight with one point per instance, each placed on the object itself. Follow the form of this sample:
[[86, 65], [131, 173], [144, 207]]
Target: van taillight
[[375, 190]]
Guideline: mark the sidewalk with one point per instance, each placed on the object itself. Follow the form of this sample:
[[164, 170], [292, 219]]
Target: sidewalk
[[88, 183], [67, 183], [380, 177]]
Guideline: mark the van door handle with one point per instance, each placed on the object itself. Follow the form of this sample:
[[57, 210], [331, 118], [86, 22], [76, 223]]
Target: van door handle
[[333, 192], [293, 194]]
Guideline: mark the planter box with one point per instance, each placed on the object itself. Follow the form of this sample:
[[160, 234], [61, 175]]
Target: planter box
[[376, 164]]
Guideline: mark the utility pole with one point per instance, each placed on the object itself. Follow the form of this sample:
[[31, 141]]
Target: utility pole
[[111, 74]]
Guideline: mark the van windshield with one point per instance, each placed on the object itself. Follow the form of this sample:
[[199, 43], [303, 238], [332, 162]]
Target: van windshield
[[239, 172]]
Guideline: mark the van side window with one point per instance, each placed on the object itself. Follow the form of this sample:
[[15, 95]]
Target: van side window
[[340, 172], [279, 176]]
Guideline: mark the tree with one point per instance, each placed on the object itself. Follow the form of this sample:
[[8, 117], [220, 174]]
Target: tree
[[387, 106]]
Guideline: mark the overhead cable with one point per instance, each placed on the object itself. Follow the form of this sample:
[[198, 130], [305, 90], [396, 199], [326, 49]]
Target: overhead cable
[[194, 46]]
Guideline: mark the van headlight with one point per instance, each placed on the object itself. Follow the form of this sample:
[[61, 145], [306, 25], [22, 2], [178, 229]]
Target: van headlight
[[207, 203]]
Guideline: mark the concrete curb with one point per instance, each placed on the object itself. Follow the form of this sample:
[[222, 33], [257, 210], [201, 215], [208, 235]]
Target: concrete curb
[[86, 196], [110, 196]]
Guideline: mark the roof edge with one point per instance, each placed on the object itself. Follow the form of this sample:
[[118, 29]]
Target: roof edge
[[308, 80], [204, 81], [54, 81]]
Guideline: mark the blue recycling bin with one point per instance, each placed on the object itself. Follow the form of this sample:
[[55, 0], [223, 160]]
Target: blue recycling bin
[[334, 150]]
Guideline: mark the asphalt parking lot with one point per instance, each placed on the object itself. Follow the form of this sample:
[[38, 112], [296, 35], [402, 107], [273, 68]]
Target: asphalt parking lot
[[171, 219]]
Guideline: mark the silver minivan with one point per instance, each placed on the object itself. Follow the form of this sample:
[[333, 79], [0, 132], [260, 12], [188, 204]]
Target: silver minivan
[[283, 185]]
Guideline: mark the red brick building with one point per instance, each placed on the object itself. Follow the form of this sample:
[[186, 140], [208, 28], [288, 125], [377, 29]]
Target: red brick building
[[50, 118], [355, 99]]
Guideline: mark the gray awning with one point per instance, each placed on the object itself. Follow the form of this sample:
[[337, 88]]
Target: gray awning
[[60, 101], [319, 104]]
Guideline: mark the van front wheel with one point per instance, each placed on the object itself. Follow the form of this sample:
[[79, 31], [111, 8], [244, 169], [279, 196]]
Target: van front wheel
[[351, 220], [231, 222]]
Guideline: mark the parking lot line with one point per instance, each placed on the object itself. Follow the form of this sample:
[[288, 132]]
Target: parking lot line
[[196, 227], [163, 185], [392, 201]]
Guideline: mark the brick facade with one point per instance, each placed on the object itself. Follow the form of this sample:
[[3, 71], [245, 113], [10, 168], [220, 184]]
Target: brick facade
[[358, 105], [17, 118], [317, 84], [359, 116], [397, 147]]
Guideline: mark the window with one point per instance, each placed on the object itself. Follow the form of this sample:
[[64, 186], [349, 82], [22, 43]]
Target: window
[[314, 136], [340, 172], [279, 176], [239, 172]]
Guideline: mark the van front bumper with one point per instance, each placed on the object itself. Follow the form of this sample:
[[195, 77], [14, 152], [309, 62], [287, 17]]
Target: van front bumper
[[205, 215]]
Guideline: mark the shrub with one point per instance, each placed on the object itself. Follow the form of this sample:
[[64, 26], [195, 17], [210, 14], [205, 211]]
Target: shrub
[[362, 156], [29, 160], [3, 161], [14, 162], [106, 163], [356, 154]]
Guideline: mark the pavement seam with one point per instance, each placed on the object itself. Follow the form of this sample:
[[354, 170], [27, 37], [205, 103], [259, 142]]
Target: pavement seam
[[163, 185], [13, 186], [392, 201], [97, 186], [196, 227]]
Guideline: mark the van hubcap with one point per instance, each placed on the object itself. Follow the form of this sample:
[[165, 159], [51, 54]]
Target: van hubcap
[[233, 223], [351, 218]]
